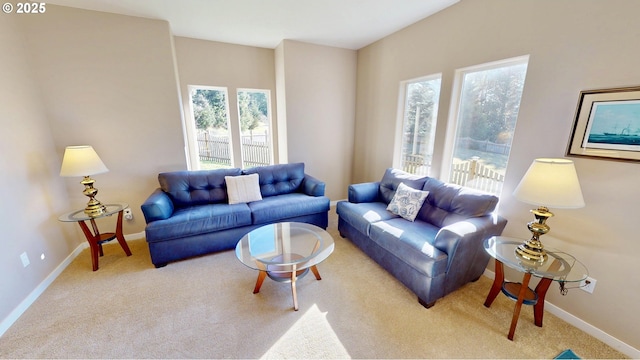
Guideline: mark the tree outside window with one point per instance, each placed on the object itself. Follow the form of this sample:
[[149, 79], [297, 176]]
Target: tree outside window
[[418, 124], [487, 116], [214, 139]]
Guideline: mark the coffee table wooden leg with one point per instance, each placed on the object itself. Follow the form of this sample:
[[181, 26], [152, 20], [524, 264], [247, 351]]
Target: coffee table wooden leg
[[294, 277], [314, 269], [261, 275], [516, 310]]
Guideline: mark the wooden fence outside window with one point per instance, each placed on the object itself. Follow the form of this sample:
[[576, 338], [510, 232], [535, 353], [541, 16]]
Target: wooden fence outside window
[[217, 149], [470, 173]]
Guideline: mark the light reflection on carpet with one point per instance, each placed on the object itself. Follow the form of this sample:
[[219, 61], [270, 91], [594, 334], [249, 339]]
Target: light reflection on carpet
[[314, 336]]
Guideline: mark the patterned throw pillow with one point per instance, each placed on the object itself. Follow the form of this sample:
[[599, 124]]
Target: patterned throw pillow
[[407, 202]]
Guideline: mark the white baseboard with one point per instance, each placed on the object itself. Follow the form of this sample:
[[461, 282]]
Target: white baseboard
[[134, 236], [585, 326], [31, 298]]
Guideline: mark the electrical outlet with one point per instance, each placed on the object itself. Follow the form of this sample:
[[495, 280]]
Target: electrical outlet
[[25, 259], [128, 214], [588, 284]]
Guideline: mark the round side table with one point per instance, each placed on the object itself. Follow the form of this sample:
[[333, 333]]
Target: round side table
[[95, 238], [559, 266]]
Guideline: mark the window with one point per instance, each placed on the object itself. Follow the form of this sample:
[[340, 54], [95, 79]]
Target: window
[[210, 114], [255, 119], [489, 100], [417, 124], [219, 139]]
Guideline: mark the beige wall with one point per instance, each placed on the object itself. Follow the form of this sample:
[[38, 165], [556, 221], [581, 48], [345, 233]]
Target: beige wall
[[573, 45], [109, 81], [32, 193], [314, 122], [320, 85], [75, 77]]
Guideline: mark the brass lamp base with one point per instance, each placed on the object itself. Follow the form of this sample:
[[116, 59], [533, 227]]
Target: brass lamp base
[[94, 207], [532, 250], [94, 210]]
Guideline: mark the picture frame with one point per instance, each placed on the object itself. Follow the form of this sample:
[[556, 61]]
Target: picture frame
[[607, 125]]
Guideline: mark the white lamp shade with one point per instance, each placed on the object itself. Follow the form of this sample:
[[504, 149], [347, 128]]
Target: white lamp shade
[[552, 183], [81, 161]]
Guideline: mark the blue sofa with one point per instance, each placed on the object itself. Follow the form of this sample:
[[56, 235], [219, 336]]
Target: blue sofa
[[438, 252], [190, 215]]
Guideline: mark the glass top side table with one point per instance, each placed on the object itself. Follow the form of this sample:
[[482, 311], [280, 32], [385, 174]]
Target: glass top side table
[[560, 266], [95, 238]]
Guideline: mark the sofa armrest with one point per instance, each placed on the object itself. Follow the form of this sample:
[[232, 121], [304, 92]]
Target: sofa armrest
[[460, 240], [158, 206], [312, 186], [364, 192]]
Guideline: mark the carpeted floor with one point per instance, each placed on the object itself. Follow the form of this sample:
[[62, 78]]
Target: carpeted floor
[[204, 308]]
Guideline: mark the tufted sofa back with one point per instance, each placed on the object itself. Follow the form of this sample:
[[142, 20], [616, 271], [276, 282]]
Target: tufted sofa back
[[392, 179], [188, 188], [278, 179], [450, 203]]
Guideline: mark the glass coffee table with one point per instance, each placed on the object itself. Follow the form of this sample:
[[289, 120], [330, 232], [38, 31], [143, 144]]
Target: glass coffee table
[[285, 252]]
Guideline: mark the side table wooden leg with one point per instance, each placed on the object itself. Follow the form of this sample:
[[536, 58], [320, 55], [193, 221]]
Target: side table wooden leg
[[497, 284], [120, 235], [93, 244], [541, 291], [538, 308], [518, 307]]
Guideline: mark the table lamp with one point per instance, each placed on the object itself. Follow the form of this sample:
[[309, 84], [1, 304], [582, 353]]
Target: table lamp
[[549, 183], [84, 161]]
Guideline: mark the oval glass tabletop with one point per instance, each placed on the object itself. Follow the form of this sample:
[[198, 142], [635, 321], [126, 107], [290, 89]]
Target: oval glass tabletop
[[559, 265], [285, 244], [79, 215]]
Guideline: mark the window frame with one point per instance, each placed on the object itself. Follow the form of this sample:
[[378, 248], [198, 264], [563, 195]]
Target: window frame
[[400, 117], [455, 106], [272, 137], [193, 155]]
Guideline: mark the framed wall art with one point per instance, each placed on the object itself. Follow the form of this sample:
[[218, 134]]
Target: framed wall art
[[607, 125]]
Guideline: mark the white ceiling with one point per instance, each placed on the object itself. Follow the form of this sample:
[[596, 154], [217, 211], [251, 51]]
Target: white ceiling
[[350, 24]]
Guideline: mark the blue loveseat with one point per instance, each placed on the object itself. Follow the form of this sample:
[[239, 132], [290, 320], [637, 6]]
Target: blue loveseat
[[190, 215], [438, 252]]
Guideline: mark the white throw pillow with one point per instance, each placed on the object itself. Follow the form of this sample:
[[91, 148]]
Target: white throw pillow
[[243, 189], [407, 202]]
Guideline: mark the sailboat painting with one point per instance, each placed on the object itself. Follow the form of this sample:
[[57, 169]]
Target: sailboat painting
[[614, 125]]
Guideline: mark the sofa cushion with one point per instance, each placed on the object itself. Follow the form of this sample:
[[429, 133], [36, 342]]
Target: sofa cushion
[[411, 242], [278, 179], [277, 208], [392, 178], [197, 220], [189, 188], [362, 215], [243, 189], [407, 202], [450, 203]]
